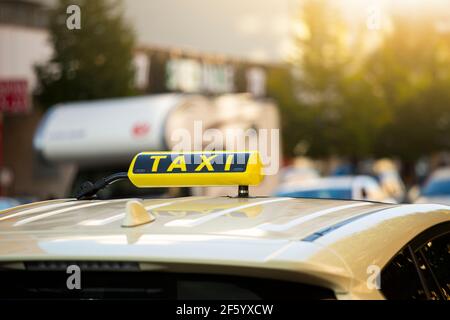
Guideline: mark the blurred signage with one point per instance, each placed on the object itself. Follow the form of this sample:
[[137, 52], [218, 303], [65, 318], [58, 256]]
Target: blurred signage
[[178, 71], [142, 67], [140, 129], [189, 75], [14, 96], [256, 81]]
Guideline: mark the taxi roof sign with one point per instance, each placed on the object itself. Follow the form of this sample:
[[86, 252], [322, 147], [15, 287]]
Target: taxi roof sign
[[185, 169], [198, 168]]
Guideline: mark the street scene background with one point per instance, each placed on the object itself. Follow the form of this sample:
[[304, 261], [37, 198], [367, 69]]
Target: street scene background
[[355, 88]]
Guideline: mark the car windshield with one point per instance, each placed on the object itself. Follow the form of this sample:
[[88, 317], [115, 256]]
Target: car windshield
[[320, 193], [437, 188]]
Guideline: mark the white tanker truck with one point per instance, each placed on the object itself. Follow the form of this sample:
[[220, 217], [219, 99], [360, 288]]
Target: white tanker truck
[[93, 139]]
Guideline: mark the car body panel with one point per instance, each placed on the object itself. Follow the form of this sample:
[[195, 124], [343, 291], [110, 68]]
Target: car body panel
[[375, 239], [269, 237]]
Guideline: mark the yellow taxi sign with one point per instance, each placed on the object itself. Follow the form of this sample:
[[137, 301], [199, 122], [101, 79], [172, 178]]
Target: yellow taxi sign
[[203, 168]]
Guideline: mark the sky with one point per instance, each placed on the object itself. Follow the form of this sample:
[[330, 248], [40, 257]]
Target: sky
[[258, 30], [251, 29]]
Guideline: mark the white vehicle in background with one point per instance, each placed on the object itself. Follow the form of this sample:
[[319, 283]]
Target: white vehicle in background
[[389, 179], [96, 138], [302, 169], [337, 187], [437, 188], [292, 174]]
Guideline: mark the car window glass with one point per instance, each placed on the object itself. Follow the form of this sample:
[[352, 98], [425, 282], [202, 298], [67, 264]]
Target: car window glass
[[428, 276], [400, 280], [437, 255]]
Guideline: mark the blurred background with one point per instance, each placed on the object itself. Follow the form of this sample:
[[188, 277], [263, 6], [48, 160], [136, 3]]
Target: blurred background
[[360, 91]]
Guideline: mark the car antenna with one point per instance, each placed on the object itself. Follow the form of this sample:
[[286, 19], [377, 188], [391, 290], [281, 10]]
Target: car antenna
[[88, 190]]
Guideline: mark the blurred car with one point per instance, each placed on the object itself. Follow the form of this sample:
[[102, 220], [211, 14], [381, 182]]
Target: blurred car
[[337, 187], [389, 179], [6, 203], [437, 188], [344, 169], [293, 173]]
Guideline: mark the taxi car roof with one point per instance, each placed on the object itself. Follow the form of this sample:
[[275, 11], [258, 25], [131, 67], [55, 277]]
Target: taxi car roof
[[326, 242], [271, 218]]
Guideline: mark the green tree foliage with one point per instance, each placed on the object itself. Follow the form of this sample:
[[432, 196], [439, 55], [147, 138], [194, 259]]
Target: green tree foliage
[[341, 100], [412, 70], [330, 108], [90, 63]]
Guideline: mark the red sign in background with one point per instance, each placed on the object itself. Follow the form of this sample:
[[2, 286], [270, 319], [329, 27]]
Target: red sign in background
[[13, 99], [14, 96]]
